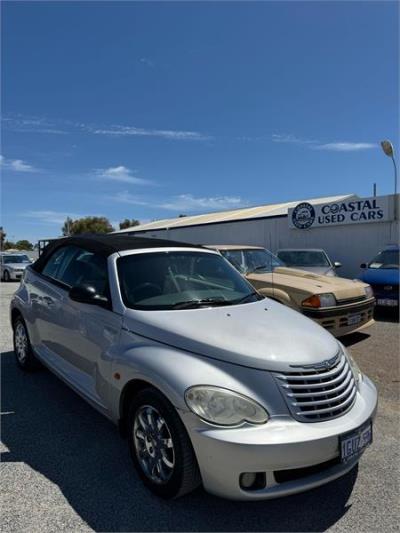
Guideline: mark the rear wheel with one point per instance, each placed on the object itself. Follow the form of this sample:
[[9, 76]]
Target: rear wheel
[[160, 446], [22, 346]]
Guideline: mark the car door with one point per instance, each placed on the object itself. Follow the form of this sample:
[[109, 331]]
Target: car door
[[47, 296], [79, 336]]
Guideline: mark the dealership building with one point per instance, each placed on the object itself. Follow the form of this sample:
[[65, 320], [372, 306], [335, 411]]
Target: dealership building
[[349, 228]]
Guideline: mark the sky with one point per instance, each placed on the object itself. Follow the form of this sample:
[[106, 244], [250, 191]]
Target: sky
[[151, 110]]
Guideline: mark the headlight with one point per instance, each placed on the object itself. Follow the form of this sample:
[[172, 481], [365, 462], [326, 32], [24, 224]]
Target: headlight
[[369, 293], [224, 407], [320, 300]]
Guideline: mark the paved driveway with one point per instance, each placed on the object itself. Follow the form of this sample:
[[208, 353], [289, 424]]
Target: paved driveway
[[64, 467]]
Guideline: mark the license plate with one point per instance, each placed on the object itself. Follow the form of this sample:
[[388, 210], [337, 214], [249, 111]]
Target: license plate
[[388, 302], [352, 444], [353, 319]]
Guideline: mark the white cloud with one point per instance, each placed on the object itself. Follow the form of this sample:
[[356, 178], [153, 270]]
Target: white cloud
[[120, 173], [17, 165], [146, 61], [184, 202], [22, 124], [290, 138], [50, 217], [341, 146], [346, 146], [126, 131], [187, 202]]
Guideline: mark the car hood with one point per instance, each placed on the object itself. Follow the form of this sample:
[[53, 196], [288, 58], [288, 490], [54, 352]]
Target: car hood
[[310, 283], [381, 275], [319, 270], [264, 334], [17, 266]]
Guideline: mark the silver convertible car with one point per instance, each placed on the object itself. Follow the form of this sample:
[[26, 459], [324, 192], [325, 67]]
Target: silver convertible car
[[209, 381]]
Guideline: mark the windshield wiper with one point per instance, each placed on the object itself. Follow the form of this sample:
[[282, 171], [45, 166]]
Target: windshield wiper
[[196, 303], [260, 267], [242, 300]]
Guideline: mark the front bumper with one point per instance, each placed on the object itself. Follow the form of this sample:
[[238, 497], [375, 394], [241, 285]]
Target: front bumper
[[340, 320], [15, 275], [282, 444], [385, 296]]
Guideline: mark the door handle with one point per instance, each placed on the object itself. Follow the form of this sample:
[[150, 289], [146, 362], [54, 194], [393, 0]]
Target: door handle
[[48, 301]]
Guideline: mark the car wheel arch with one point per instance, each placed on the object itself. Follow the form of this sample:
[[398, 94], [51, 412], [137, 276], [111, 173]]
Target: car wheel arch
[[279, 296], [130, 390], [15, 314]]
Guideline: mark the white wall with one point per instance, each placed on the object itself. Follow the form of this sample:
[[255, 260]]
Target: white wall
[[350, 244]]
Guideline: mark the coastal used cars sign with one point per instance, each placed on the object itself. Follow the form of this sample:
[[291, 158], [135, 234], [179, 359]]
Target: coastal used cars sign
[[349, 211]]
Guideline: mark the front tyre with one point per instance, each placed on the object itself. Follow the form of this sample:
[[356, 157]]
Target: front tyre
[[22, 346], [6, 276], [160, 446]]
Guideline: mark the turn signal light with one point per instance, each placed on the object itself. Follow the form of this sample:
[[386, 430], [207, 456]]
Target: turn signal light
[[312, 301]]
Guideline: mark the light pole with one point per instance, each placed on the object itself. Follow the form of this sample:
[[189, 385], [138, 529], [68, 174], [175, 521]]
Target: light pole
[[387, 148]]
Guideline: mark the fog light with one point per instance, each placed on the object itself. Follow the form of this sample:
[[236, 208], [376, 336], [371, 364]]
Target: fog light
[[252, 480], [247, 479]]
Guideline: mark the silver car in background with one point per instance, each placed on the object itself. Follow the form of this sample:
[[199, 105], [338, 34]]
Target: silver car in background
[[312, 259], [210, 382], [12, 265]]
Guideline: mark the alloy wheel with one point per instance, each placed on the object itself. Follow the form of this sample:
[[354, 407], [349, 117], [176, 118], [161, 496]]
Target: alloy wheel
[[21, 342], [154, 446]]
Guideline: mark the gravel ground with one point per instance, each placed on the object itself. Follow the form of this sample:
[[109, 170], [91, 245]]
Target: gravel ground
[[65, 468]]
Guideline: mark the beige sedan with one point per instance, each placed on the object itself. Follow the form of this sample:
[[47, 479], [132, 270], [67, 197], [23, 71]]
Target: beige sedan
[[340, 305]]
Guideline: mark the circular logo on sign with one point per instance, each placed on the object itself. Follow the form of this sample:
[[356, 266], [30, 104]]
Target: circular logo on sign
[[303, 215]]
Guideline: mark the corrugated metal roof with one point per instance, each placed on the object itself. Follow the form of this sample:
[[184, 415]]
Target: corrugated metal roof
[[261, 211]]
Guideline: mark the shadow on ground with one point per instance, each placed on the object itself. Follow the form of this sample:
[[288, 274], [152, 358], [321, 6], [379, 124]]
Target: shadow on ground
[[51, 429], [354, 338]]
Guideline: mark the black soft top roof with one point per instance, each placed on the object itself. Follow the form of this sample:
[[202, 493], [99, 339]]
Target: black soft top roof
[[105, 245]]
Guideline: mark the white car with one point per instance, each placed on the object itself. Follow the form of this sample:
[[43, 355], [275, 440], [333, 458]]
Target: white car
[[311, 259], [210, 382], [12, 266]]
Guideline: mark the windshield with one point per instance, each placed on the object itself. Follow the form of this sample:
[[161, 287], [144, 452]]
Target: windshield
[[304, 258], [260, 261], [8, 259], [179, 280], [386, 259]]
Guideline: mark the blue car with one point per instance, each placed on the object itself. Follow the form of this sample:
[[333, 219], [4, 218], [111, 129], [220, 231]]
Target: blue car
[[382, 273]]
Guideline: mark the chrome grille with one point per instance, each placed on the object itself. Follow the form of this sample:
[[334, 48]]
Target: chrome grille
[[319, 393]]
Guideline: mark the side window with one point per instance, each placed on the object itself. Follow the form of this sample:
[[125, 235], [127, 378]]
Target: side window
[[235, 258], [53, 264], [74, 266], [85, 268]]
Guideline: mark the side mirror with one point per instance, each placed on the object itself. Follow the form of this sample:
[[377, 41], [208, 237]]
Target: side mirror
[[363, 265], [86, 294], [337, 264]]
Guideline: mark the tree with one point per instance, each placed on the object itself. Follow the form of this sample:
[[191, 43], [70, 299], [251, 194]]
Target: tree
[[3, 235], [66, 229], [128, 223], [24, 244], [8, 245], [86, 225]]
